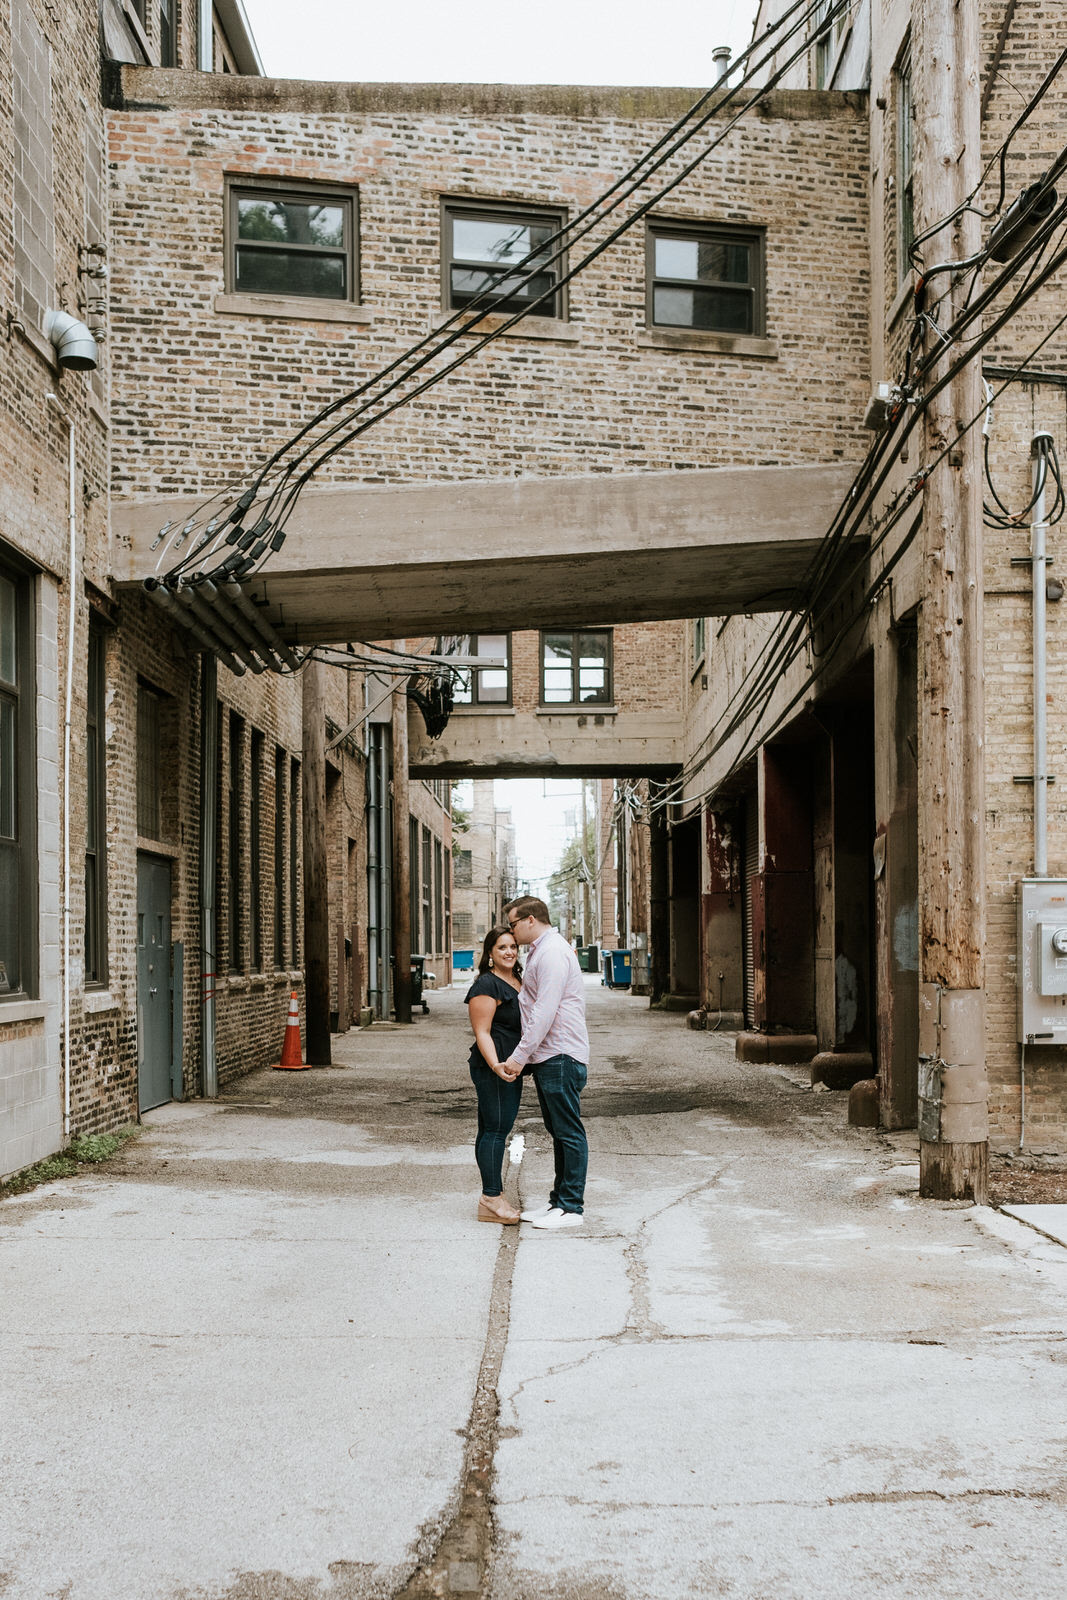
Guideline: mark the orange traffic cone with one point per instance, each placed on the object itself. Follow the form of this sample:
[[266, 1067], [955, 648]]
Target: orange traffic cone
[[291, 1061]]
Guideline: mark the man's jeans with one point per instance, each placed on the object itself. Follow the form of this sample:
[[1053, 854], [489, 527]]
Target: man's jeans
[[559, 1082]]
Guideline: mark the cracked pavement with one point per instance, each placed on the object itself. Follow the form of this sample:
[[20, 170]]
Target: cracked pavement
[[254, 1357]]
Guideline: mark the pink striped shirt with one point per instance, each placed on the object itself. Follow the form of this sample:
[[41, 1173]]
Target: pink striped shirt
[[552, 1003]]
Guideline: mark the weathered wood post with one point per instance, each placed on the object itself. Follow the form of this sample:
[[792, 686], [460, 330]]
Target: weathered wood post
[[953, 1114]]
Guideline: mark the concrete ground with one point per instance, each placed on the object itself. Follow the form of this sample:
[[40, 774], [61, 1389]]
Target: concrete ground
[[269, 1354]]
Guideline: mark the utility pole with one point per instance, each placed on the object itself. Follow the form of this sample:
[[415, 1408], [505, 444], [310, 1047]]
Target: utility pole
[[316, 881], [953, 1114], [586, 921], [402, 929]]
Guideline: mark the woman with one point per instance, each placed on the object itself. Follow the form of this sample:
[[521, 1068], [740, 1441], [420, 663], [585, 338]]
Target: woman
[[493, 1006]]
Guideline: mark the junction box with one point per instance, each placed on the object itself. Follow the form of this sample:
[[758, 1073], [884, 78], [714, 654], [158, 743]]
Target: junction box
[[1041, 972]]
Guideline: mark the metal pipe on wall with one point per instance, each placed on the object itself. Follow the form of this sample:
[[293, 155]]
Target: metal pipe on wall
[[1038, 570], [373, 872], [68, 701]]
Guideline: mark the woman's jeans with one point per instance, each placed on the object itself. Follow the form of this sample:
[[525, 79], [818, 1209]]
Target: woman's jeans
[[559, 1082], [498, 1106]]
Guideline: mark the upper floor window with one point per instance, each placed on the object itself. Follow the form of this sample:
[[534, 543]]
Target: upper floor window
[[699, 639], [292, 239], [483, 686], [168, 33], [18, 787], [905, 165], [707, 278], [483, 245], [576, 668], [828, 43]]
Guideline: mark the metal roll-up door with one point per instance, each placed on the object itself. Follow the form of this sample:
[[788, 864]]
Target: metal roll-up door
[[750, 869]]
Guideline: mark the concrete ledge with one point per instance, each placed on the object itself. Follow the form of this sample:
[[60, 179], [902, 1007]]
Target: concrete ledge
[[840, 1069], [781, 1049]]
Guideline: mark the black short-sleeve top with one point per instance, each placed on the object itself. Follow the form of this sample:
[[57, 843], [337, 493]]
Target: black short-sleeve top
[[505, 1030]]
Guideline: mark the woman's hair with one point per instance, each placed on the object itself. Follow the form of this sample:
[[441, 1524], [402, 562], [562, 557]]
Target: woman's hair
[[487, 950]]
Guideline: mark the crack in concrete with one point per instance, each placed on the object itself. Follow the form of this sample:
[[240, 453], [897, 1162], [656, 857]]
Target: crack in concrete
[[454, 1556], [861, 1497], [640, 1323]]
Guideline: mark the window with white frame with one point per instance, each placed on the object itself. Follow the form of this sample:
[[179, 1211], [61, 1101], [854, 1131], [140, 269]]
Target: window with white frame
[[484, 686], [576, 667]]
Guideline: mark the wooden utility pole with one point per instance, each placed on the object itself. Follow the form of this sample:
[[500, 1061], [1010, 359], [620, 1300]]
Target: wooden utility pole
[[316, 880], [402, 866], [953, 1115]]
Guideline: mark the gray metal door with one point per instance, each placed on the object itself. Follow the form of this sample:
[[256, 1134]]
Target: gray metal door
[[153, 982]]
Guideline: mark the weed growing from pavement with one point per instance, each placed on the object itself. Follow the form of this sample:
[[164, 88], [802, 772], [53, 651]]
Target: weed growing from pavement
[[89, 1150]]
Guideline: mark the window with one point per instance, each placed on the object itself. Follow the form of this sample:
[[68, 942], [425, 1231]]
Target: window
[[905, 165], [827, 44], [18, 788], [463, 927], [32, 193], [292, 240], [484, 686], [576, 668], [279, 857], [233, 843], [699, 639], [294, 862], [438, 897], [705, 278], [149, 809], [95, 815], [168, 33], [484, 244], [464, 869], [414, 896], [255, 851], [427, 890]]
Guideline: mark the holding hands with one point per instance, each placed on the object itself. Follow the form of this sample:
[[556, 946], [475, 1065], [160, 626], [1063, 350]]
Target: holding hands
[[508, 1070]]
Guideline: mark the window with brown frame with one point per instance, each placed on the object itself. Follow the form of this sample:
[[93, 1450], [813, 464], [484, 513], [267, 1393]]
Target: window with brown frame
[[292, 239], [576, 667], [707, 278], [485, 243]]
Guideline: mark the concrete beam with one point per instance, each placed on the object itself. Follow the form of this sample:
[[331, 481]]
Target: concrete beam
[[528, 552], [551, 744]]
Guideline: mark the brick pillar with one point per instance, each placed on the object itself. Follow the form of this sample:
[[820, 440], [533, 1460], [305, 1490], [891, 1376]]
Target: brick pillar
[[896, 876]]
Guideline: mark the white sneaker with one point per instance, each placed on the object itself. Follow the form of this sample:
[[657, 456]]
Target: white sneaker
[[535, 1213], [559, 1219]]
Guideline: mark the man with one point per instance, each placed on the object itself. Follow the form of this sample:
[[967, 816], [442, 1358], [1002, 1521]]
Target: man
[[554, 1049]]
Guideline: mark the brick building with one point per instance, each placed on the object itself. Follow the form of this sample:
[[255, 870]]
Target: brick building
[[832, 860]]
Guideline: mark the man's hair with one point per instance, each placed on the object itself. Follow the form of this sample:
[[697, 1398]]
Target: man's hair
[[528, 906]]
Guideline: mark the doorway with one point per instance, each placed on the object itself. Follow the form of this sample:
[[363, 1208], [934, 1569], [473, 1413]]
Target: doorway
[[153, 982]]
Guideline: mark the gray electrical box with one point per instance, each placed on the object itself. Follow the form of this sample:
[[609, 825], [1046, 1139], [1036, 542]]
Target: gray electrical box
[[1042, 960]]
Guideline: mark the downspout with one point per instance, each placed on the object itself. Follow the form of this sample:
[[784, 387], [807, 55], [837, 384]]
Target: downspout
[[1038, 578], [374, 891], [1038, 533], [209, 758], [68, 701]]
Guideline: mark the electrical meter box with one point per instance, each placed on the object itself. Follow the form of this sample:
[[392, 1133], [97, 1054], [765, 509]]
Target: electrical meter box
[[1042, 960]]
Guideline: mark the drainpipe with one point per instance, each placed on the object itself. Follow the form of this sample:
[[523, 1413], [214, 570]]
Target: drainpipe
[[68, 700], [374, 891], [209, 777], [1038, 532], [205, 38]]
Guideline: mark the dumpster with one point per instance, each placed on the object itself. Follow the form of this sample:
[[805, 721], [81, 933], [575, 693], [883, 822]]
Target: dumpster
[[588, 957], [617, 969], [418, 972], [463, 960]]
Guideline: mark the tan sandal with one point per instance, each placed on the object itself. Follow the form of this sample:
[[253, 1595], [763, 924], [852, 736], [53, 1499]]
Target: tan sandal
[[486, 1212]]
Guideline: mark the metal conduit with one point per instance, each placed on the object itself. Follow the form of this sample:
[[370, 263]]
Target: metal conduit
[[183, 618], [263, 628], [213, 624], [232, 617]]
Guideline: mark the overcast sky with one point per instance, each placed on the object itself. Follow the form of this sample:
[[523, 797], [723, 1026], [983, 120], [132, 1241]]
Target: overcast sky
[[554, 41]]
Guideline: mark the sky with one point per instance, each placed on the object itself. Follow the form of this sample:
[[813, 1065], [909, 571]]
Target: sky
[[556, 41]]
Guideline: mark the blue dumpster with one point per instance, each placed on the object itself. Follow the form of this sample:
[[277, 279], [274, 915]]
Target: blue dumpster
[[617, 969], [463, 960]]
